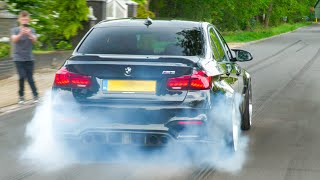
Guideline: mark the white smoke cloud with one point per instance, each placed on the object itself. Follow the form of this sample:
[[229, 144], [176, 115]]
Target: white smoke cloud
[[44, 149], [223, 157]]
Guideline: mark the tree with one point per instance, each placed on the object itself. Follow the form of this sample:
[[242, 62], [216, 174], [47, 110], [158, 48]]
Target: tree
[[233, 14], [70, 14], [54, 20], [270, 8], [143, 9]]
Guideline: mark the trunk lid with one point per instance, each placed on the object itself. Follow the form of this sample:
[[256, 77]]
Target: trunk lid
[[126, 79]]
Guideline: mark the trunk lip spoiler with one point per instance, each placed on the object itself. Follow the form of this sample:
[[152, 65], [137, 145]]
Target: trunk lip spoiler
[[170, 64], [143, 58]]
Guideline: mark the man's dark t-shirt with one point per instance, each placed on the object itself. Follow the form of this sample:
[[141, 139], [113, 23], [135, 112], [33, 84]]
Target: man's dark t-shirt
[[22, 50]]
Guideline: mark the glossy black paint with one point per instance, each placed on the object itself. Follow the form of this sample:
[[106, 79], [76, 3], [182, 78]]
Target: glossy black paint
[[151, 113]]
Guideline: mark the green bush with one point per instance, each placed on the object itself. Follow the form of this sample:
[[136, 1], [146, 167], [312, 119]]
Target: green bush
[[143, 12], [52, 45], [4, 50], [64, 45]]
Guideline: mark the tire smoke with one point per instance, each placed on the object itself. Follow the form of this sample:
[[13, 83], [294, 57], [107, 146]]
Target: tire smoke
[[47, 150]]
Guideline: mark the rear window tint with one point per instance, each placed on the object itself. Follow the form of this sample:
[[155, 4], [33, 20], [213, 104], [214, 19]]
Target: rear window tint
[[143, 41]]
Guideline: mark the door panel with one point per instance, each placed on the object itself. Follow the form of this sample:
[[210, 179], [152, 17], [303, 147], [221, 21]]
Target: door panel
[[238, 72]]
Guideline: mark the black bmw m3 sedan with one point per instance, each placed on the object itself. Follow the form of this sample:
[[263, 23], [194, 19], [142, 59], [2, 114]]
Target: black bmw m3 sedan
[[151, 83]]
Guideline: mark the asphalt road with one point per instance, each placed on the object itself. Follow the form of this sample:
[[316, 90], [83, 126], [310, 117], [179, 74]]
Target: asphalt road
[[284, 143]]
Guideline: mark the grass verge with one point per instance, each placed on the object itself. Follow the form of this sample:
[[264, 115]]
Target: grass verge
[[261, 33], [43, 51]]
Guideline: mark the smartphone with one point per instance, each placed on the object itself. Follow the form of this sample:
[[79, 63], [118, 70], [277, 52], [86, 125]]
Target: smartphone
[[26, 25]]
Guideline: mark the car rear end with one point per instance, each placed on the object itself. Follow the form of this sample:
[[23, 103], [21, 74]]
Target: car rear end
[[132, 84]]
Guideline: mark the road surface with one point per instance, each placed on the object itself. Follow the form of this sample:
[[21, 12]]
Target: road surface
[[284, 142]]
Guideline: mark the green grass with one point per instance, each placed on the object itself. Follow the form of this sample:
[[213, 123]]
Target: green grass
[[43, 51], [261, 33]]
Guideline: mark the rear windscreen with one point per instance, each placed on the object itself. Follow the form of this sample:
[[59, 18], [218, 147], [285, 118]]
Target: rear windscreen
[[143, 41]]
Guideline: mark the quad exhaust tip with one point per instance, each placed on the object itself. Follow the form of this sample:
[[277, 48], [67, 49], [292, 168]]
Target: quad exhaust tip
[[154, 140], [100, 139], [92, 139], [87, 139], [164, 139]]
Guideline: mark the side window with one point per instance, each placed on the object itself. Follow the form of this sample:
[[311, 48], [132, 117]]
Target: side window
[[213, 46], [226, 47], [217, 48]]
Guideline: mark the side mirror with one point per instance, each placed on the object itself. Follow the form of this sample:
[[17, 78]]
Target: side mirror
[[242, 55]]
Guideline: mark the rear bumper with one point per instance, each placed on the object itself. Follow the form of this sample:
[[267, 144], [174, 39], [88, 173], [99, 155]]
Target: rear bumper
[[131, 138], [119, 137], [130, 124], [133, 135]]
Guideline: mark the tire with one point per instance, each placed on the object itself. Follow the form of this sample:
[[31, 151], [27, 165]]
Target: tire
[[247, 114], [231, 125], [232, 138], [235, 127]]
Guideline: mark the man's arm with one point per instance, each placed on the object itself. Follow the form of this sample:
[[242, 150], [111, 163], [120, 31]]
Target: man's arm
[[33, 38], [16, 37], [32, 35], [24, 31]]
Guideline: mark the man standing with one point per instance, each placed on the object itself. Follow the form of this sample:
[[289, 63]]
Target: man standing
[[23, 38]]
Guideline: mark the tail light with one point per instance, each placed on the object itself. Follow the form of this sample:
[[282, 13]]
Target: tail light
[[197, 81], [68, 79]]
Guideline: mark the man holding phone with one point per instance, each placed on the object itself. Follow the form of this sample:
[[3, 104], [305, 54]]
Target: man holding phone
[[22, 38]]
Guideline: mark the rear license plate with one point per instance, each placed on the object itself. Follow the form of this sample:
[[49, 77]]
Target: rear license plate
[[138, 86]]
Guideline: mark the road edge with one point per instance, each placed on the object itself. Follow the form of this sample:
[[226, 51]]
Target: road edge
[[16, 107], [239, 44]]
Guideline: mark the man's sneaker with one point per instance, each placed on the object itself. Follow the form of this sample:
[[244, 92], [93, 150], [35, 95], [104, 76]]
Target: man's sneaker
[[21, 100], [36, 99]]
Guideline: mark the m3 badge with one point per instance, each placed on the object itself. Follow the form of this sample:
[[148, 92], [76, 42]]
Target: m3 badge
[[168, 72]]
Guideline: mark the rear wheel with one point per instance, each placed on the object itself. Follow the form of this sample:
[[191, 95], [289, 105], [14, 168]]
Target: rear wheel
[[233, 134], [226, 122], [247, 115]]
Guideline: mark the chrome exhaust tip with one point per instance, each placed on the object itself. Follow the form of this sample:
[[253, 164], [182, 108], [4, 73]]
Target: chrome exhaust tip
[[87, 139], [99, 138], [154, 140], [164, 139]]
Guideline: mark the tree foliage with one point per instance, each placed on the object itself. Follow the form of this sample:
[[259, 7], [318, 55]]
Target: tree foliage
[[143, 9], [54, 20], [59, 20], [70, 16], [234, 14]]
